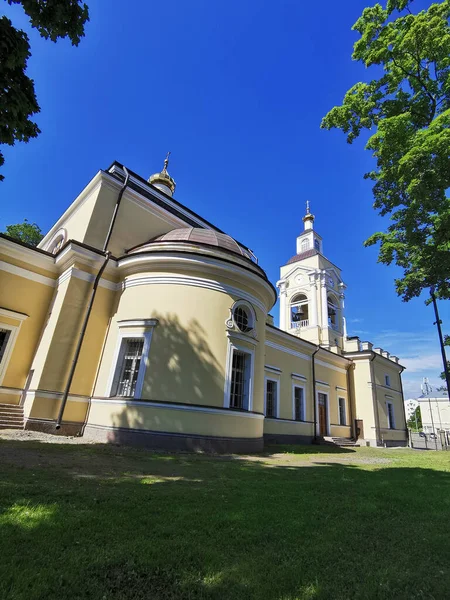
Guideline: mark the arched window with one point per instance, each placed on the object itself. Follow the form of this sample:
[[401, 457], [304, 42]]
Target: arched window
[[299, 311], [243, 316], [333, 312], [305, 245], [57, 241]]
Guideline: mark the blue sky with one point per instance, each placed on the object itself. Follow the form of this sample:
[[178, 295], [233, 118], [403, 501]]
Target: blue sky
[[236, 90]]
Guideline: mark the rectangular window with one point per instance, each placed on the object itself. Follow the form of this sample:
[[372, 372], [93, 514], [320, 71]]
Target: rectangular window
[[299, 404], [387, 380], [128, 365], [390, 415], [240, 380], [4, 337], [342, 415], [271, 398]]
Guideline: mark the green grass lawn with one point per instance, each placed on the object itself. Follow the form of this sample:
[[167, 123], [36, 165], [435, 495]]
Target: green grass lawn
[[102, 522]]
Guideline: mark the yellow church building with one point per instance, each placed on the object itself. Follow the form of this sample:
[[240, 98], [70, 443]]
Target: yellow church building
[[137, 321]]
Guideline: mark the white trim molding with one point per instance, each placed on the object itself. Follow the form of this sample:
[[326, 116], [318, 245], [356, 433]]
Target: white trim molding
[[168, 405], [322, 383], [232, 346], [275, 379], [303, 408], [287, 350], [12, 314], [272, 369], [134, 280], [144, 323], [10, 343], [27, 274], [327, 407], [298, 376], [330, 366], [133, 328]]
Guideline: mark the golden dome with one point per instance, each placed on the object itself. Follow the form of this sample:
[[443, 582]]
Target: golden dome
[[309, 216], [163, 178]]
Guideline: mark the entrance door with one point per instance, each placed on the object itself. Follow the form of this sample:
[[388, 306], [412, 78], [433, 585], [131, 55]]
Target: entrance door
[[323, 414]]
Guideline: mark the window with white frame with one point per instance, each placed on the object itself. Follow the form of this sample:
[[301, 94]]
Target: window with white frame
[[390, 415], [8, 336], [387, 380], [132, 352], [127, 368], [299, 403], [240, 379], [4, 338], [342, 411], [304, 245], [243, 317], [271, 398]]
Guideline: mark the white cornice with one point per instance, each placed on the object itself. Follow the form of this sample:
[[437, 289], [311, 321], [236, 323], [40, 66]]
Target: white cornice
[[235, 335], [207, 255], [322, 383], [134, 264], [182, 407], [285, 336], [330, 366], [27, 274], [83, 275], [12, 314], [144, 323], [271, 368], [148, 279], [287, 350], [27, 255], [298, 376]]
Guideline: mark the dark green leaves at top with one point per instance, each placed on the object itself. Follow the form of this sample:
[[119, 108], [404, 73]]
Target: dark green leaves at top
[[407, 110]]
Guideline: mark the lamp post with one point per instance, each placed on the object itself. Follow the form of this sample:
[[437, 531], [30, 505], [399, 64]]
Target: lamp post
[[441, 339]]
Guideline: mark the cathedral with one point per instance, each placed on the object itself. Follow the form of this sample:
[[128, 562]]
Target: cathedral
[[136, 321]]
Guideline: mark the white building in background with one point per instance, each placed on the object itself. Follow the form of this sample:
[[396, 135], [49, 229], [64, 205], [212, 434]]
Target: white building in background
[[435, 411]]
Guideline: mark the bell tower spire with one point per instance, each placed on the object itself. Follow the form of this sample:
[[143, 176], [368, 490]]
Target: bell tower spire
[[308, 219], [163, 181]]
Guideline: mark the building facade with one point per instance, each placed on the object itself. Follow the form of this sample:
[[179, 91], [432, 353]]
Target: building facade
[[138, 321]]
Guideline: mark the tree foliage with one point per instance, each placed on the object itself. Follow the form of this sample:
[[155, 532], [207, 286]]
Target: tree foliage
[[53, 19], [443, 388], [415, 420], [407, 109], [30, 233]]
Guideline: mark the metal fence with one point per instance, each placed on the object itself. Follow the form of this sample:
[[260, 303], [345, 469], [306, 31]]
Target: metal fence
[[430, 441]]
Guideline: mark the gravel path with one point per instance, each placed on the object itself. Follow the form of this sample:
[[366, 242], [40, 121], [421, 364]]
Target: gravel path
[[275, 459], [20, 435]]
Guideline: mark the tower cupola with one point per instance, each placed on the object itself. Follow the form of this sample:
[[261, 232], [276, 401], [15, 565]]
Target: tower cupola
[[163, 181], [308, 219]]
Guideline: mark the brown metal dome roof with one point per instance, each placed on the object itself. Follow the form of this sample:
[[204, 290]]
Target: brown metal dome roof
[[197, 235]]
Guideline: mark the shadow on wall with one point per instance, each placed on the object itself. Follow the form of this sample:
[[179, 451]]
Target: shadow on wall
[[105, 522], [183, 369]]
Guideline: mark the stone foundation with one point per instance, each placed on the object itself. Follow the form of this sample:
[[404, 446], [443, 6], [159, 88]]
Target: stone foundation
[[173, 441]]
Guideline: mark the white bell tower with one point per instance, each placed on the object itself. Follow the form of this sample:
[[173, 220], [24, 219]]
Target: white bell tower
[[312, 292]]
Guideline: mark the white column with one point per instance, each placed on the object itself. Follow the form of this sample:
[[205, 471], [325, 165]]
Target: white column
[[341, 313], [283, 306], [324, 301], [313, 314]]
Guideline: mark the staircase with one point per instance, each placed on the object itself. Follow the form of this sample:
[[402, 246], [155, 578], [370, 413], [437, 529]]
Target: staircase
[[342, 442], [11, 416]]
